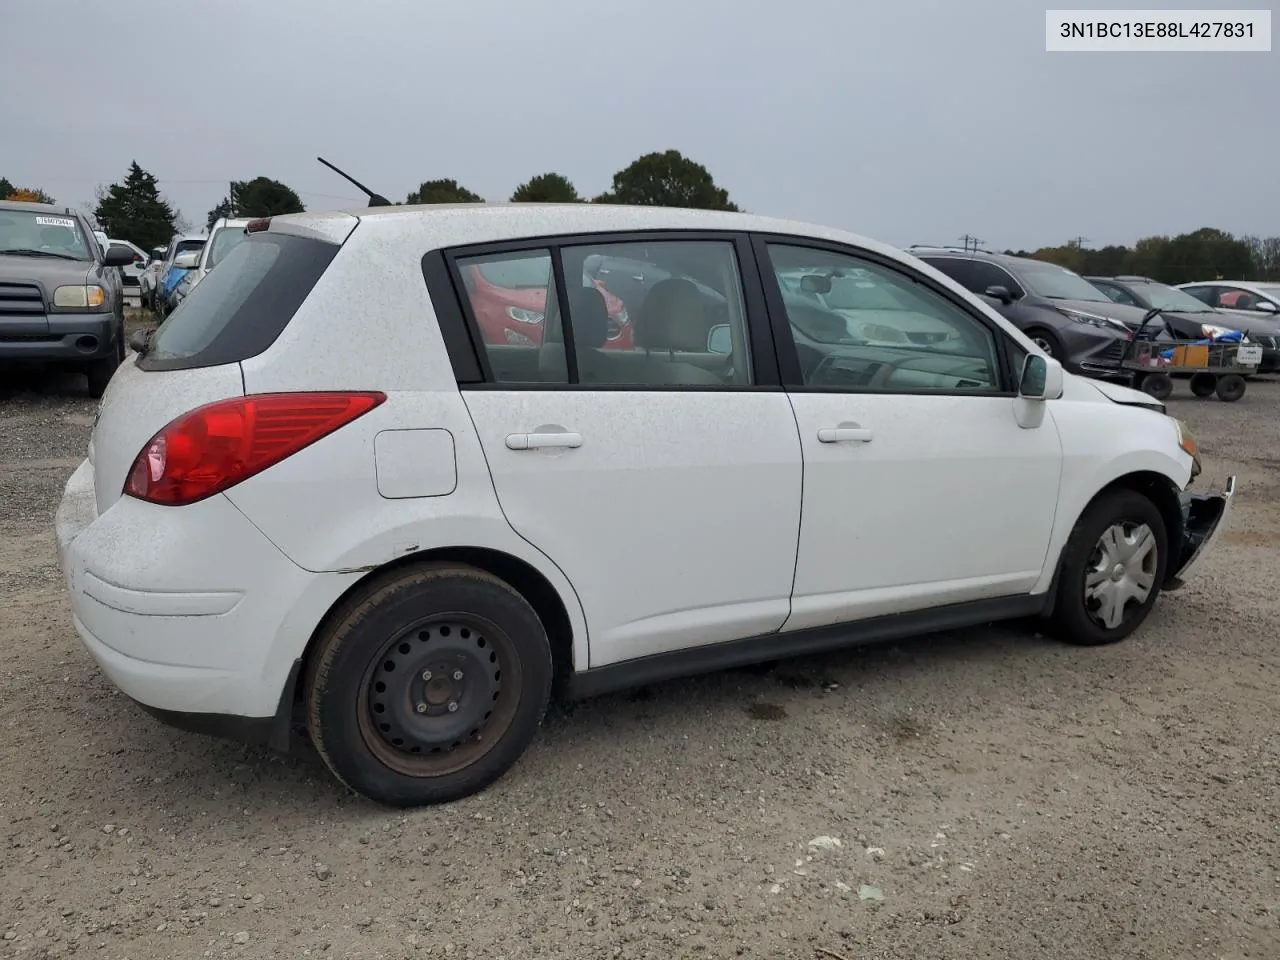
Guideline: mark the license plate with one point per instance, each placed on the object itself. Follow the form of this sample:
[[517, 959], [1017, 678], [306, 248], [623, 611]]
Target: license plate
[[1249, 355]]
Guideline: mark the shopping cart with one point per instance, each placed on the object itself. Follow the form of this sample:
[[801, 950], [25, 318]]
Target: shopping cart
[[1217, 365]]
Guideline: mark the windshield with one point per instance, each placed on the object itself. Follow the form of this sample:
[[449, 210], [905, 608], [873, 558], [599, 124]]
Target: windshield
[[859, 293], [1058, 283], [1171, 298], [514, 274], [37, 234], [1270, 292], [223, 242]]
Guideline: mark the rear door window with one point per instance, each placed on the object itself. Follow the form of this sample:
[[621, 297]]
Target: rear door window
[[240, 309]]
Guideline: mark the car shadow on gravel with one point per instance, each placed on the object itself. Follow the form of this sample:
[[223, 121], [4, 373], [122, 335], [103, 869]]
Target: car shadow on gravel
[[882, 692], [39, 380]]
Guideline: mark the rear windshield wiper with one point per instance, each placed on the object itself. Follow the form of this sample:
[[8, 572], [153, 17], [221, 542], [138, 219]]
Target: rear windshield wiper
[[28, 252]]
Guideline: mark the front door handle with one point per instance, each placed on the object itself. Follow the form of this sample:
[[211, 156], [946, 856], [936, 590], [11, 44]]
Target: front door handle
[[534, 441], [843, 434]]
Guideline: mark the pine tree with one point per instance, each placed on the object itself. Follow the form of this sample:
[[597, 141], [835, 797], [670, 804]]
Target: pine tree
[[135, 211]]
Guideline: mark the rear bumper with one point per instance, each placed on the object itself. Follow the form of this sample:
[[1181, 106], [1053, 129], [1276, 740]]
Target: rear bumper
[[1205, 519], [63, 336], [190, 611]]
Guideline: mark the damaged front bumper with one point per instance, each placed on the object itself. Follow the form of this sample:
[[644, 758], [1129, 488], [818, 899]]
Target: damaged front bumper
[[1204, 515]]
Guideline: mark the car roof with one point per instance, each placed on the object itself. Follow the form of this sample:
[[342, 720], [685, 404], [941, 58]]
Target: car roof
[[463, 223], [926, 250], [23, 206], [1242, 284]]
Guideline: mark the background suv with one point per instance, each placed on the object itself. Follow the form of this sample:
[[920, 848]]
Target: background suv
[[223, 237], [1066, 316], [61, 296]]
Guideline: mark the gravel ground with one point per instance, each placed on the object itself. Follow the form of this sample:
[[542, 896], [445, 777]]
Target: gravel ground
[[993, 794]]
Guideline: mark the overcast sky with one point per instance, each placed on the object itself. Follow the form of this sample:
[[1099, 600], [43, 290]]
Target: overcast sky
[[910, 121]]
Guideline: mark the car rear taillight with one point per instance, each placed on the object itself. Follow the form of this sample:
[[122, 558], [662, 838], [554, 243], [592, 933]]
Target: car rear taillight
[[216, 446]]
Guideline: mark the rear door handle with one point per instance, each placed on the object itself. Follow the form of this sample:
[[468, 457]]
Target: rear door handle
[[843, 434], [534, 441]]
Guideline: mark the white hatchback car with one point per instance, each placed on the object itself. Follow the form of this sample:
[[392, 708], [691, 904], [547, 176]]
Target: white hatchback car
[[335, 483]]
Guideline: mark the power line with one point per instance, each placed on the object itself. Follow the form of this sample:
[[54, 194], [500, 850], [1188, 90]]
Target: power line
[[971, 242], [1077, 242]]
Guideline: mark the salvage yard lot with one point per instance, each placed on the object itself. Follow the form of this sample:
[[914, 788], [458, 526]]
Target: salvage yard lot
[[1005, 796]]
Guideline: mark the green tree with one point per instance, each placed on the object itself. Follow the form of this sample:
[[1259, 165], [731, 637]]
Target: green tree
[[546, 188], [443, 191], [28, 194], [6, 188], [134, 210], [667, 179], [261, 197], [223, 209]]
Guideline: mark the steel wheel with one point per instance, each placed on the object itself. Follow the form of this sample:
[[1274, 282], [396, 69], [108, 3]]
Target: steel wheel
[[440, 695], [1121, 571]]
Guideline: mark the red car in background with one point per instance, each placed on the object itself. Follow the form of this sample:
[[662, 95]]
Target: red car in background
[[509, 299]]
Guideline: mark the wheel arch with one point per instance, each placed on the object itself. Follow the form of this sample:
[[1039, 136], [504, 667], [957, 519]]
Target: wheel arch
[[1157, 487], [521, 575]]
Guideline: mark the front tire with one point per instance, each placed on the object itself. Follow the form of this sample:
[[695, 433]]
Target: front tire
[[1112, 568], [1047, 341], [99, 372], [428, 685]]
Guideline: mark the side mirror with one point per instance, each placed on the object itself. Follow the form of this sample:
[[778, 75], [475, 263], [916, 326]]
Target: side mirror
[[187, 261], [1265, 306], [1041, 378], [117, 255], [815, 283], [1001, 293], [138, 340], [720, 340]]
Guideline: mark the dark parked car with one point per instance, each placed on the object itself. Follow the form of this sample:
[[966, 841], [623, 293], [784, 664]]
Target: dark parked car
[[1066, 316], [1188, 318], [61, 296]]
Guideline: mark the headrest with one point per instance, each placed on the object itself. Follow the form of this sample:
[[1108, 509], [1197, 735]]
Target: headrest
[[588, 316], [671, 317]]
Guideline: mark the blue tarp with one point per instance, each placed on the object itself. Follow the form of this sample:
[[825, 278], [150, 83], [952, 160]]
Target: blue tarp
[[172, 279]]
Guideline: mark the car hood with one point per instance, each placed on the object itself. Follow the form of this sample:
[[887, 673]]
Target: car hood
[[47, 272], [1249, 321], [1125, 395], [1131, 317]]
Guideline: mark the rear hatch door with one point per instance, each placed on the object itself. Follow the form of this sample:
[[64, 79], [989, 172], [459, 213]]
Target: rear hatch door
[[194, 358]]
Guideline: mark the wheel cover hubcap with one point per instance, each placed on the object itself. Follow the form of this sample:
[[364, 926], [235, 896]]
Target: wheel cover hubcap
[[439, 695], [1043, 344], [1121, 572]]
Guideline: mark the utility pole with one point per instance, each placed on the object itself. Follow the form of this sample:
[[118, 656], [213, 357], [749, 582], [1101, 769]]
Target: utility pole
[[1077, 242], [971, 242]]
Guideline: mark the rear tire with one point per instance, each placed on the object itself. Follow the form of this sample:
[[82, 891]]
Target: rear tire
[[1112, 568], [1231, 387], [1203, 384], [428, 685]]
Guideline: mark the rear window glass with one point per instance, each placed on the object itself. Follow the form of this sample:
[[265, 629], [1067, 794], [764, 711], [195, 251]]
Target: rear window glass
[[239, 309]]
